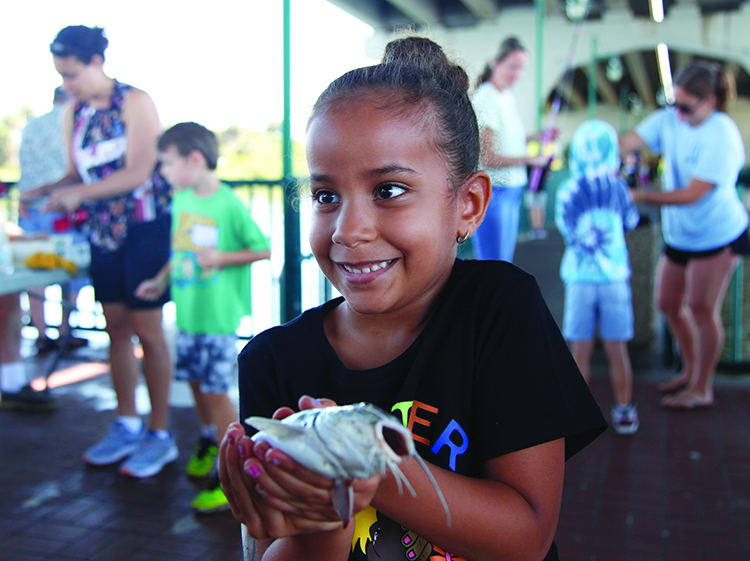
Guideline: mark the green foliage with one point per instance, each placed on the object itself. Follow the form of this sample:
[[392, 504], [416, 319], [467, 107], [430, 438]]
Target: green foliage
[[249, 154], [10, 139], [245, 154]]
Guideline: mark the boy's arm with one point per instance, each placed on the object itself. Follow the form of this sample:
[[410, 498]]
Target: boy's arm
[[212, 258], [151, 289]]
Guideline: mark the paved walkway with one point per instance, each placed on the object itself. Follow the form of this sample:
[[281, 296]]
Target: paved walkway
[[679, 490]]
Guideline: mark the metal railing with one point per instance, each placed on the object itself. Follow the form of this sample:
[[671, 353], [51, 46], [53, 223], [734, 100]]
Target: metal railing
[[265, 200]]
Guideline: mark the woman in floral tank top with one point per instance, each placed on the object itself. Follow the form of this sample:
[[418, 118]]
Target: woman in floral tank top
[[113, 174]]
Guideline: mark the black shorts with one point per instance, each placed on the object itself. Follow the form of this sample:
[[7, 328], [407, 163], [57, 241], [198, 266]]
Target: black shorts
[[116, 274], [740, 246]]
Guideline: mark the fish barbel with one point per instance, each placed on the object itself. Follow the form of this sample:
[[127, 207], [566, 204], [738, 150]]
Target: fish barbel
[[344, 443]]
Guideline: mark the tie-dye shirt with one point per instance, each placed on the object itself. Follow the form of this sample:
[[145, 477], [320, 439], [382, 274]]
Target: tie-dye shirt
[[99, 148], [594, 209]]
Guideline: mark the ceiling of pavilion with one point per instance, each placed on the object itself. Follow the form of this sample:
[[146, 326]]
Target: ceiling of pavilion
[[639, 82]]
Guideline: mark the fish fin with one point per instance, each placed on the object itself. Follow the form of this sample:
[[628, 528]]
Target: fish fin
[[275, 428], [343, 501]]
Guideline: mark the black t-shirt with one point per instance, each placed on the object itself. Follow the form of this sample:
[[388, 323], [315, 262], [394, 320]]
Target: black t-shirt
[[489, 375]]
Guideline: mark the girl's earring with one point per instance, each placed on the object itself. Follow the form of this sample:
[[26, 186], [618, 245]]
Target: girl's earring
[[462, 239]]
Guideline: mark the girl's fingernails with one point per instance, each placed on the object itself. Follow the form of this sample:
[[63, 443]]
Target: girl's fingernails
[[241, 450], [275, 461], [254, 471]]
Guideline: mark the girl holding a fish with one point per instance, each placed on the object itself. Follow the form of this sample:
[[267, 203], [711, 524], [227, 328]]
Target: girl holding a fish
[[464, 353]]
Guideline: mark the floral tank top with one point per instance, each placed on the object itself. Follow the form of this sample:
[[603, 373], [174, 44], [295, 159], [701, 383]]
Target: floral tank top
[[99, 148]]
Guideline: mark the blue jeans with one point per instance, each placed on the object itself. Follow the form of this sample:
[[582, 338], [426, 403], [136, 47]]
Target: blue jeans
[[496, 236]]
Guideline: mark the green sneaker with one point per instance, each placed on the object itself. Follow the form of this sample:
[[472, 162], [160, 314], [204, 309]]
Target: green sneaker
[[211, 500], [203, 460]]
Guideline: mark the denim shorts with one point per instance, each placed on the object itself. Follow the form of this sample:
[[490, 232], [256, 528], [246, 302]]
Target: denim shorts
[[607, 306], [207, 358], [117, 274]]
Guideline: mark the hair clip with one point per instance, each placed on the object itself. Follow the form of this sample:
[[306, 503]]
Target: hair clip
[[58, 48]]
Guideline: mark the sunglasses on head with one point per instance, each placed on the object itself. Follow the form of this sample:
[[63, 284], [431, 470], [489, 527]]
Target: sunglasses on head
[[687, 109]]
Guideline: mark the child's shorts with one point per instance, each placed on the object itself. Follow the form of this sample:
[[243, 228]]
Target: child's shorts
[[607, 306], [207, 358]]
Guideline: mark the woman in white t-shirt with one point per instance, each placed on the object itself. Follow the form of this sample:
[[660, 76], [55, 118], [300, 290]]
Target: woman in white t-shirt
[[503, 139], [704, 223]]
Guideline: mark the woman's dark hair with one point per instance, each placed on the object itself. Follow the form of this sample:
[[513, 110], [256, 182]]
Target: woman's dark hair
[[186, 137], [416, 74], [81, 42], [703, 79], [509, 46]]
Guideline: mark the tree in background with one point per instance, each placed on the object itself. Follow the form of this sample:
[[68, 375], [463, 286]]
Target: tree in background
[[245, 154]]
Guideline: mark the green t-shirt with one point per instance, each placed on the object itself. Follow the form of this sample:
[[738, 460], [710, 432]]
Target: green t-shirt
[[211, 300]]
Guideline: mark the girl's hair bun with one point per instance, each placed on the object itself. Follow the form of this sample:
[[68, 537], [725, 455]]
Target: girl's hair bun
[[426, 55]]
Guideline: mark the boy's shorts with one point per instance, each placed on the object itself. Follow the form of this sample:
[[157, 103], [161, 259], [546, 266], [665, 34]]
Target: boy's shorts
[[207, 358], [607, 306], [117, 274]]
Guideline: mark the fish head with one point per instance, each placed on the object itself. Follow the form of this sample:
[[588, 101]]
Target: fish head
[[394, 439]]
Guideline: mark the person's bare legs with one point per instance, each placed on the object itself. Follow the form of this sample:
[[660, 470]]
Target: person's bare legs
[[214, 409], [201, 407], [222, 410], [10, 328], [670, 299], [123, 364], [157, 364], [707, 282], [582, 351], [620, 371], [36, 311]]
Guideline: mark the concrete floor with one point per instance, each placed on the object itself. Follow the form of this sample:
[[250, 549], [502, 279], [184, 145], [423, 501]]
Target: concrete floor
[[677, 490]]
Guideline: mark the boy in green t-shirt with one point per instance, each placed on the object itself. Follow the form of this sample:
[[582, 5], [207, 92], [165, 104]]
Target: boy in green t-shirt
[[214, 240]]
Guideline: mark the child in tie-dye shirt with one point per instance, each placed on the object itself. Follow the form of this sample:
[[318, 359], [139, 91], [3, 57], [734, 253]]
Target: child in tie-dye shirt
[[593, 211]]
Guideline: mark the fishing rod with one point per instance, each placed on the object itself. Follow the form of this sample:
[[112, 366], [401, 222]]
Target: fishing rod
[[536, 173]]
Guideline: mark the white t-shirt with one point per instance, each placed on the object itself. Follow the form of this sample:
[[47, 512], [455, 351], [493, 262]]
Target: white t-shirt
[[496, 110], [712, 152]]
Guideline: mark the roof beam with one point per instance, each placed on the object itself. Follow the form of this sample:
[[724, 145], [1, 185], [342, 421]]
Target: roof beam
[[604, 86], [639, 74], [684, 59], [482, 9], [573, 97], [419, 11], [363, 12]]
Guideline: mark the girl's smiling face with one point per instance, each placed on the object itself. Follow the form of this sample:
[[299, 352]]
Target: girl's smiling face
[[385, 215]]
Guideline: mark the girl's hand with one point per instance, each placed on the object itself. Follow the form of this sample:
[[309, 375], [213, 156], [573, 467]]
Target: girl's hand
[[64, 200], [295, 489], [273, 495]]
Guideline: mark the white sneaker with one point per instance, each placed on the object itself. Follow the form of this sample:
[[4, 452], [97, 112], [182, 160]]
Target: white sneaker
[[151, 456], [625, 418]]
